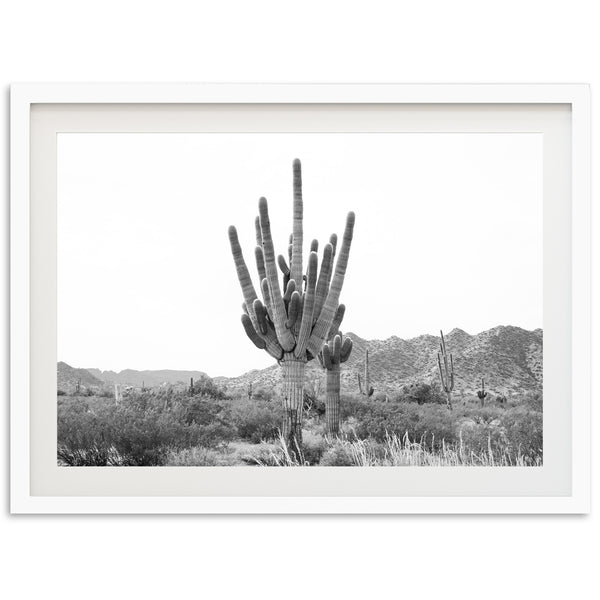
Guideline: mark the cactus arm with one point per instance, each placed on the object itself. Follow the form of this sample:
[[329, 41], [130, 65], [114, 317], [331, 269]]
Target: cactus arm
[[260, 262], [273, 346], [345, 350], [359, 384], [284, 336], [261, 316], [293, 309], [257, 231], [337, 321], [251, 333], [297, 231], [451, 373], [307, 309], [337, 346], [242, 270], [326, 353], [264, 286], [323, 282], [283, 265], [289, 290], [314, 246], [333, 239], [325, 319]]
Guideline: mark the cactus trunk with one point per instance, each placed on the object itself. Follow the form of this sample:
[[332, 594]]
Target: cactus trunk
[[332, 400], [446, 371], [293, 399]]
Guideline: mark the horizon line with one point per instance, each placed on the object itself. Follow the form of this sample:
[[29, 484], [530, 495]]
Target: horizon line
[[346, 333]]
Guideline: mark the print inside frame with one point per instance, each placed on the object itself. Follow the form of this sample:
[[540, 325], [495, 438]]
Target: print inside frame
[[366, 120]]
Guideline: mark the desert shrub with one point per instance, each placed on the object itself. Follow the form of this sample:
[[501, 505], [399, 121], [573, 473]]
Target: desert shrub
[[205, 386], [257, 420], [421, 393], [525, 433], [483, 438], [337, 455], [533, 401], [352, 404], [433, 422], [313, 406], [140, 432], [105, 393], [314, 446], [481, 414], [264, 394]]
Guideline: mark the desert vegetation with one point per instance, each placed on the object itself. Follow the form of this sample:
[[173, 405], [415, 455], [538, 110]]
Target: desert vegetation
[[207, 426]]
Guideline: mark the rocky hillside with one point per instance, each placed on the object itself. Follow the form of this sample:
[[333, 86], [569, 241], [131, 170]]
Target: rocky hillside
[[68, 378], [510, 359]]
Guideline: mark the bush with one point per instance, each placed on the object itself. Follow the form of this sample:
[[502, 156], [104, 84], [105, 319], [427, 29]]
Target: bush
[[313, 447], [256, 421], [205, 386], [138, 433], [338, 455], [421, 393], [525, 433], [534, 401], [429, 422]]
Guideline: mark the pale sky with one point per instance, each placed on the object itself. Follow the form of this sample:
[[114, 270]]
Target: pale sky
[[448, 234]]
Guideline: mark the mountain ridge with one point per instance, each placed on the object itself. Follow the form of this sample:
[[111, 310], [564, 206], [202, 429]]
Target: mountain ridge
[[508, 357]]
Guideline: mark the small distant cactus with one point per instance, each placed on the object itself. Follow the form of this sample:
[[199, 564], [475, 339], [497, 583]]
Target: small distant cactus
[[364, 387], [191, 390], [446, 372], [481, 394], [335, 352]]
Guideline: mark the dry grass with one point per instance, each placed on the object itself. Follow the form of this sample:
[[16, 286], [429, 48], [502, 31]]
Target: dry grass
[[399, 451], [396, 451]]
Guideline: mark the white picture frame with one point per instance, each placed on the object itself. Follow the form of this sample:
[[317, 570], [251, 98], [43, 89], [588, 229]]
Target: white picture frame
[[27, 427]]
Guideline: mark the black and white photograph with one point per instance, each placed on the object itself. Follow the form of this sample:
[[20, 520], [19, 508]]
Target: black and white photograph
[[300, 299]]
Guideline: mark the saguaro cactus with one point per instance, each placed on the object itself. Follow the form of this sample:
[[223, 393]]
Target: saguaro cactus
[[335, 352], [447, 372], [292, 323], [481, 394], [364, 387]]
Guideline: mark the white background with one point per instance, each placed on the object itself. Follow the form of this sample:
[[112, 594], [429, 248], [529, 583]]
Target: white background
[[251, 557], [448, 234]]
